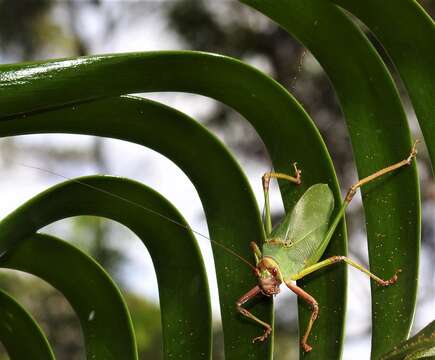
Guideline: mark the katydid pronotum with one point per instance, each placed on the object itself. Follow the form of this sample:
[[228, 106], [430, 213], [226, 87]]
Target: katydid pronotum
[[294, 247]]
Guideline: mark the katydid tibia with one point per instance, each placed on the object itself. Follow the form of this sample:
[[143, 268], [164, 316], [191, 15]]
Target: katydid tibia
[[294, 247]]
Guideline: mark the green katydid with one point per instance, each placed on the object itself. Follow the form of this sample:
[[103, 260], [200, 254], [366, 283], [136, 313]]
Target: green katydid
[[292, 250], [294, 247]]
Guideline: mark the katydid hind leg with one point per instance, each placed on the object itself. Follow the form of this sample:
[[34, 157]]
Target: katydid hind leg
[[405, 162], [266, 182], [314, 312], [243, 299], [352, 191]]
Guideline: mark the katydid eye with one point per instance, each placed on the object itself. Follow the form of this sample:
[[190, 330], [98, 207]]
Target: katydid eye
[[274, 272]]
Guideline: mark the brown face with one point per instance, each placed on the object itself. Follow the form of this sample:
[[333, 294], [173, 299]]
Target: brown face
[[268, 278], [269, 285]]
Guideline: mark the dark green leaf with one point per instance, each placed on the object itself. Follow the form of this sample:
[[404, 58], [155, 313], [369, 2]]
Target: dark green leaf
[[19, 333], [183, 288], [421, 345], [380, 136], [281, 123], [411, 48], [103, 315]]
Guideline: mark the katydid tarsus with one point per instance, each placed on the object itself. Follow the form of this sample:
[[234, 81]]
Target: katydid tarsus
[[294, 247]]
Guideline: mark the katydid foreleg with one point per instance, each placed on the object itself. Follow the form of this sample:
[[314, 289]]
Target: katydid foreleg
[[266, 181], [249, 295], [314, 311]]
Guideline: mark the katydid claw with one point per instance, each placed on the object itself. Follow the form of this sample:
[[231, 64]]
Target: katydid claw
[[306, 347], [297, 173], [393, 279], [264, 336], [413, 153]]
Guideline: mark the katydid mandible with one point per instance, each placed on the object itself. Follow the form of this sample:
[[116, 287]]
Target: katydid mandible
[[294, 247]]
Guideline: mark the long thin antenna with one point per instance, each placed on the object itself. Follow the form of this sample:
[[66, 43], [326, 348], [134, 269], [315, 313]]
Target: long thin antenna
[[292, 85], [140, 206]]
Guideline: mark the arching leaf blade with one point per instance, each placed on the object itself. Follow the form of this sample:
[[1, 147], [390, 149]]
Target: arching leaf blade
[[183, 288], [103, 315], [410, 48], [380, 136], [278, 119], [421, 345], [154, 125], [17, 327]]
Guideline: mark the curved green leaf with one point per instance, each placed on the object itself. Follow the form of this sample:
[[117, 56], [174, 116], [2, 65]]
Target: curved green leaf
[[17, 328], [156, 126], [281, 123], [411, 48], [380, 136], [103, 315], [421, 345], [183, 288]]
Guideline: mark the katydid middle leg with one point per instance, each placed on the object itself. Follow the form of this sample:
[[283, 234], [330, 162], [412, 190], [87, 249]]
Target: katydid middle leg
[[335, 259], [266, 181]]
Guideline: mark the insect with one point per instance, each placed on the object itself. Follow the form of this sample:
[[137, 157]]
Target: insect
[[294, 247]]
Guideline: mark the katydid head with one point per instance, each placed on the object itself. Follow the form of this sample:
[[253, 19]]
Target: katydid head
[[269, 276]]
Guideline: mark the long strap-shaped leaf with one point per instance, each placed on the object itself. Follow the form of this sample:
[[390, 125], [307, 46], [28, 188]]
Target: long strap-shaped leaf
[[421, 345], [280, 121], [103, 315], [183, 288], [224, 198], [408, 35], [19, 333], [380, 136]]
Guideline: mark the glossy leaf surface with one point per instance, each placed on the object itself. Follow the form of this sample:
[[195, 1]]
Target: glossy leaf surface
[[380, 137], [278, 119], [421, 345], [411, 49], [17, 327], [103, 315], [176, 257], [154, 125]]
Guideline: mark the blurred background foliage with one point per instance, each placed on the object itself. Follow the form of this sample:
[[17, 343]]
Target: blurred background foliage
[[40, 29]]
